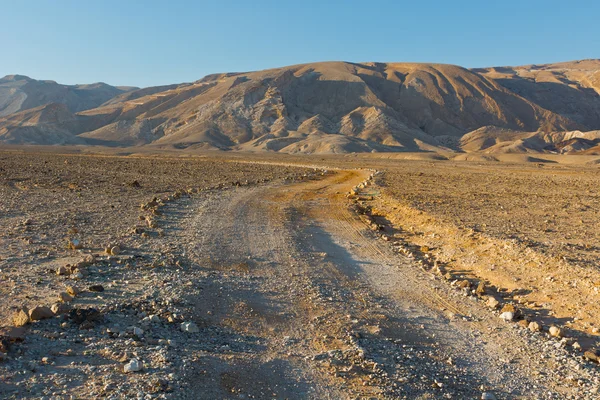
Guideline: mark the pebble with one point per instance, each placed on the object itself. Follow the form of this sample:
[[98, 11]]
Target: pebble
[[189, 327], [507, 316], [534, 326], [554, 331], [488, 396], [59, 308], [138, 331], [492, 302], [75, 244], [96, 288], [65, 297], [62, 270], [133, 365], [592, 356], [73, 290]]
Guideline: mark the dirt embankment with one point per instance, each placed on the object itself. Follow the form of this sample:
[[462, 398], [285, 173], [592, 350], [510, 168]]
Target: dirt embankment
[[529, 230]]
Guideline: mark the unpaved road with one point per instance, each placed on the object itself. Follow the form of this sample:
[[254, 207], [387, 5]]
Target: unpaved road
[[295, 297], [338, 314]]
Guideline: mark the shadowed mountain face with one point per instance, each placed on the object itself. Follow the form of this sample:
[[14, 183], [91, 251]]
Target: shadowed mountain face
[[19, 93], [341, 107]]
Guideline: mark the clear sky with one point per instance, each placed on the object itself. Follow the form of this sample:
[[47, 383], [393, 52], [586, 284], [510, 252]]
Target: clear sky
[[145, 43]]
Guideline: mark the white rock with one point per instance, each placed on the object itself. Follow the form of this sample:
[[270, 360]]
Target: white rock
[[507, 316], [554, 331], [534, 326], [132, 366], [189, 327], [77, 276], [492, 302], [488, 396], [138, 331], [154, 318]]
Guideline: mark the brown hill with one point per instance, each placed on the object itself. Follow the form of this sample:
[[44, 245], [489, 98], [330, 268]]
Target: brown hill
[[348, 107], [19, 93]]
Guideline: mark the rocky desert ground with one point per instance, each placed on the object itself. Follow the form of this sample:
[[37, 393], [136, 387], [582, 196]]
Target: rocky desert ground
[[231, 275]]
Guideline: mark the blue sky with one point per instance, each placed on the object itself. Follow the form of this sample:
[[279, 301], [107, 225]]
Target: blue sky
[[145, 43]]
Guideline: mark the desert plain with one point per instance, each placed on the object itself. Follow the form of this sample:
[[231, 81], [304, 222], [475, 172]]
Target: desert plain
[[236, 275]]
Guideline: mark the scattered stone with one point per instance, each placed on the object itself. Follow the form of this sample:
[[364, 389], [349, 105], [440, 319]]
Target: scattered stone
[[73, 290], [535, 326], [60, 308], [154, 318], [75, 244], [507, 316], [524, 323], [464, 284], [592, 355], [40, 312], [132, 366], [80, 315], [138, 331], [492, 302], [513, 309], [189, 327], [21, 317], [555, 331], [480, 291], [63, 270], [77, 275], [96, 288], [65, 297], [488, 396]]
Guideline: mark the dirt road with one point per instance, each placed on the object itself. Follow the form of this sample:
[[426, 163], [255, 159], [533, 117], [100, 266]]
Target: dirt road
[[293, 296], [336, 313]]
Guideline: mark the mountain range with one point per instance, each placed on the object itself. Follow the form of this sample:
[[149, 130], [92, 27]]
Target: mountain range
[[328, 107]]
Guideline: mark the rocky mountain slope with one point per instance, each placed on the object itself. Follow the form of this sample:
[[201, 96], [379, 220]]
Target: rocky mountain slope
[[19, 93], [343, 107]]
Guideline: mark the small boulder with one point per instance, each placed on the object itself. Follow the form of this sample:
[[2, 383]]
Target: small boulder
[[592, 355], [507, 316], [555, 331], [464, 284], [75, 244], [492, 302], [21, 317], [488, 396], [480, 291], [137, 331], [96, 288], [60, 308], [65, 297], [40, 312], [132, 366], [523, 323], [73, 290], [535, 326], [115, 250], [189, 327], [63, 270], [513, 309]]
